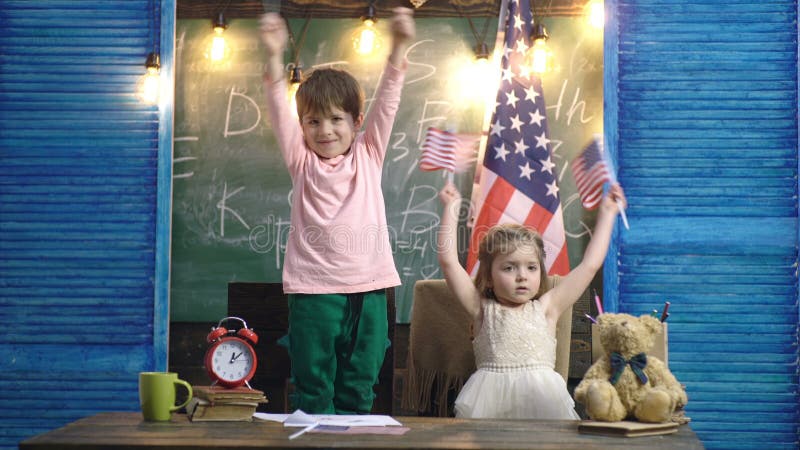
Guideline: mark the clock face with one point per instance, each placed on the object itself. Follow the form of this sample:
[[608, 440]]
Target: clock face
[[231, 361]]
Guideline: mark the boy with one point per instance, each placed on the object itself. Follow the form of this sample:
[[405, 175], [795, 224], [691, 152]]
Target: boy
[[338, 259]]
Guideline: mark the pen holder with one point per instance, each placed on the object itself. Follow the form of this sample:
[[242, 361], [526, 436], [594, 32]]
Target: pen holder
[[660, 348]]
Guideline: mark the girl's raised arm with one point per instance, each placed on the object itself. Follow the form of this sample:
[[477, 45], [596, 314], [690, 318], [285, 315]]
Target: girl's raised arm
[[458, 280], [567, 292]]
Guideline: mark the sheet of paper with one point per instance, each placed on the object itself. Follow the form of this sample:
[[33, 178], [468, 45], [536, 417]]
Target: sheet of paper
[[301, 419]]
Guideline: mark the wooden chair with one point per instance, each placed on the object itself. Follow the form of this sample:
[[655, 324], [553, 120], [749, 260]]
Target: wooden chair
[[440, 357], [265, 308]]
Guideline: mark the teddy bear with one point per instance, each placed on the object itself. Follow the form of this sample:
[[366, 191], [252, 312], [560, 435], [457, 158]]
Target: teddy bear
[[625, 382]]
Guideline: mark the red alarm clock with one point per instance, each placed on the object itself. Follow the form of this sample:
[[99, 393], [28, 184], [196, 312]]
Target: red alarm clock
[[231, 359]]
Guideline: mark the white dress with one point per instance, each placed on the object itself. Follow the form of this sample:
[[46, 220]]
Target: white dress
[[515, 354]]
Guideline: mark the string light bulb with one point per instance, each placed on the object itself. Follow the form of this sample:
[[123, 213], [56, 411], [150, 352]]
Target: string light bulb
[[219, 49], [295, 77], [150, 82], [539, 55], [366, 39], [595, 14]]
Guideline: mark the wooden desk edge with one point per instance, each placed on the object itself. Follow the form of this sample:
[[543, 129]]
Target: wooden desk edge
[[125, 431]]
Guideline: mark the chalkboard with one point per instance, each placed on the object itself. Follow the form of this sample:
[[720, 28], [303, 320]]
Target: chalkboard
[[230, 187]]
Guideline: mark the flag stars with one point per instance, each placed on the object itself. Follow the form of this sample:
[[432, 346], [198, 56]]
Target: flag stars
[[542, 141], [501, 152], [520, 147], [547, 165], [497, 128], [552, 189], [521, 46], [536, 118], [531, 94], [511, 99], [518, 23], [516, 123], [526, 172], [507, 74]]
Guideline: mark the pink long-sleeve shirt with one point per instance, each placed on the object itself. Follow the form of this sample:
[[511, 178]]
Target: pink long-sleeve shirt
[[338, 240]]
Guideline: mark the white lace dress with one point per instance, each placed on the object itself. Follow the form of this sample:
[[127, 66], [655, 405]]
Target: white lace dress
[[515, 354]]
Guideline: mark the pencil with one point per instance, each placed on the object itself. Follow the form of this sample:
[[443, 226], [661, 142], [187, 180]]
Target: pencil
[[665, 314], [597, 302]]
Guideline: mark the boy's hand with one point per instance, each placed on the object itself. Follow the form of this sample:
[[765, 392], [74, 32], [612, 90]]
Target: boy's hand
[[274, 34], [449, 194], [402, 25]]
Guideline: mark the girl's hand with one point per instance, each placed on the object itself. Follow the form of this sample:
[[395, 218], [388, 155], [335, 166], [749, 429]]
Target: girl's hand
[[402, 25], [274, 33], [449, 194], [614, 195]]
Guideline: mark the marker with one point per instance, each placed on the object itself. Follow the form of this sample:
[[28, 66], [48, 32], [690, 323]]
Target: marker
[[654, 313], [665, 314], [597, 302], [590, 318]]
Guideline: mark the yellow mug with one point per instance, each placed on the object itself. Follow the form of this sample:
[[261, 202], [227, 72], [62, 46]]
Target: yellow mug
[[157, 394]]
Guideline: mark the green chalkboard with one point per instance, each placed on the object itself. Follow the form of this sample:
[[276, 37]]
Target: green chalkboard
[[230, 187]]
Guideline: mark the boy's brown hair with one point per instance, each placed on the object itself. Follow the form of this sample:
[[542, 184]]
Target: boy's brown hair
[[326, 88], [501, 240]]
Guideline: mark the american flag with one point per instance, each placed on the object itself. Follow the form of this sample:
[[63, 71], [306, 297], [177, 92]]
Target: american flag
[[518, 177], [591, 171], [439, 150]]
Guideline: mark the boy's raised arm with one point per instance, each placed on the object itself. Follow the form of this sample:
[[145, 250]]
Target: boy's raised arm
[[274, 36], [403, 30]]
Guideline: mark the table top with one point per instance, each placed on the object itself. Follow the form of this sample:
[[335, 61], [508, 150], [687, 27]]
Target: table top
[[128, 431]]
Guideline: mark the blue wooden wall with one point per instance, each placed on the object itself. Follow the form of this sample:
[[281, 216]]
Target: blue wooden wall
[[82, 207], [701, 113]]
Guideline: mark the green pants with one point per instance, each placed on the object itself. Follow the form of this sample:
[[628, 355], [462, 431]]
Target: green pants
[[337, 343]]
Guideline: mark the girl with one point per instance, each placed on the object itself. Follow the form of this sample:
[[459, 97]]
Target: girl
[[514, 315], [338, 259]]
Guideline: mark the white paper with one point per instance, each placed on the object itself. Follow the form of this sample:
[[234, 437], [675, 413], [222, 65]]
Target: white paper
[[301, 419]]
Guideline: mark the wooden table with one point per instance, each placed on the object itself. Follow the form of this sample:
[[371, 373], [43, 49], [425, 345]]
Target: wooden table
[[129, 431]]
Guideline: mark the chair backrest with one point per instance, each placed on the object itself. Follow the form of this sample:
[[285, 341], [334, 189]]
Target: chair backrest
[[440, 357]]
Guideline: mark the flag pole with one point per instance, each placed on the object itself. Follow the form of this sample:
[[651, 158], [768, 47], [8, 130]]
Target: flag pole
[[613, 173], [624, 217]]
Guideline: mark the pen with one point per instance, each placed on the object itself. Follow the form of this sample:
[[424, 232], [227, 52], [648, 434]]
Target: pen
[[597, 302], [590, 318], [665, 314]]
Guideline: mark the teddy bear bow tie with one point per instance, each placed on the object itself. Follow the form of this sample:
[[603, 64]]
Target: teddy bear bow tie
[[637, 363]]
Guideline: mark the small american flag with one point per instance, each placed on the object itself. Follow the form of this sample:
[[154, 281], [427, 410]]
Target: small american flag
[[439, 150], [591, 171]]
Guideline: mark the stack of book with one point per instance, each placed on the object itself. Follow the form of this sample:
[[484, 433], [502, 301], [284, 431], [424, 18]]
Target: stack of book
[[216, 403]]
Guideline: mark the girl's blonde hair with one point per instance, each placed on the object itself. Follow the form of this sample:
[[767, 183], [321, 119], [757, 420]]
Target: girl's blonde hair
[[502, 240], [326, 88]]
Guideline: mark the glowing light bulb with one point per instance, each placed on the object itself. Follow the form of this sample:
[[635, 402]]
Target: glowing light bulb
[[539, 55], [150, 83], [294, 84], [595, 13], [366, 39], [217, 52]]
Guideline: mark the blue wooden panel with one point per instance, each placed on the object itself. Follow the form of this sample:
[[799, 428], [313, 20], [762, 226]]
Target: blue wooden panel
[[706, 141], [79, 167]]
